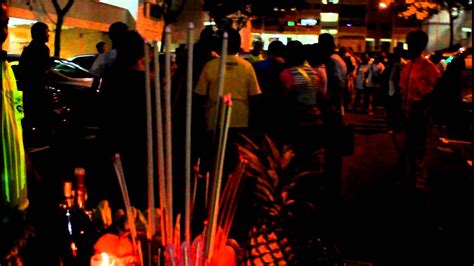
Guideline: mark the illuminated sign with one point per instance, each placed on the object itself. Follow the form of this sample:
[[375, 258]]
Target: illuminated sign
[[309, 22], [290, 23], [329, 17]]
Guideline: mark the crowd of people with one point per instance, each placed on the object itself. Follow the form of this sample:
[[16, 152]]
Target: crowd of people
[[296, 94]]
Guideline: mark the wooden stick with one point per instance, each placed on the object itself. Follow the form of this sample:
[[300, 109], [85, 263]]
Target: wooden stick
[[187, 152], [159, 141], [149, 141], [159, 257], [198, 253], [237, 189], [206, 199], [128, 206], [219, 166], [168, 137], [196, 178]]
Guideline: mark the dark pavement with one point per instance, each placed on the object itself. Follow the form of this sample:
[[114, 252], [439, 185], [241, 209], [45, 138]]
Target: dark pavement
[[385, 225]]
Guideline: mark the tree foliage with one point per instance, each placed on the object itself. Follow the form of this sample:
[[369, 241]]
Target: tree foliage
[[241, 10], [422, 10]]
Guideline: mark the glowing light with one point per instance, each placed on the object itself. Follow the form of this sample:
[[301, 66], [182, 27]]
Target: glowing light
[[309, 22], [12, 22], [105, 259], [329, 17], [383, 5], [209, 23]]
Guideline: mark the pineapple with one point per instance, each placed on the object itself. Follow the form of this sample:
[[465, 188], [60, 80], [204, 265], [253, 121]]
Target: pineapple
[[270, 239]]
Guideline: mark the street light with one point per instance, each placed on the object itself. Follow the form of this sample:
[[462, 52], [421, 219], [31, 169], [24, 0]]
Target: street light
[[383, 5]]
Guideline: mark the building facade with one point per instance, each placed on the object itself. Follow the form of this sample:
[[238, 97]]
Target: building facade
[[84, 25], [359, 24]]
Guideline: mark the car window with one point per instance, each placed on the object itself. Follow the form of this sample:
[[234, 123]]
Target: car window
[[70, 69], [84, 61]]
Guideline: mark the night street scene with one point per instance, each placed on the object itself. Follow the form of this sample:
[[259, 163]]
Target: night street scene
[[236, 132]]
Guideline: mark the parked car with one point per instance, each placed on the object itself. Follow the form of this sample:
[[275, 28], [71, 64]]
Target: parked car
[[72, 97], [84, 60], [453, 101]]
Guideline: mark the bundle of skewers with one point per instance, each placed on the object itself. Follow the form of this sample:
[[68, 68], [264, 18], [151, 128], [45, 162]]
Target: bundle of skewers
[[210, 247]]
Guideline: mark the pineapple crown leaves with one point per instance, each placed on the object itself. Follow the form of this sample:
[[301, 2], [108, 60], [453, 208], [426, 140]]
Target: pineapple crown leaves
[[273, 171]]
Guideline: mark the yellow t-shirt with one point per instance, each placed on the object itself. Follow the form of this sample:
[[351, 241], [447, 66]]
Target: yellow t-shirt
[[240, 81]]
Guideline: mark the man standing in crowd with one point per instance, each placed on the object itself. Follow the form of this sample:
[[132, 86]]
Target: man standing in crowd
[[34, 65], [267, 72], [240, 81], [418, 78], [336, 71], [101, 48]]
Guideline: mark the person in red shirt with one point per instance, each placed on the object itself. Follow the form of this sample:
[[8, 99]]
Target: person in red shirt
[[418, 78]]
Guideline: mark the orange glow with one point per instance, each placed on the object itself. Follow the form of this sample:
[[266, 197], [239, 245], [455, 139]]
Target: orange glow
[[74, 249], [383, 5]]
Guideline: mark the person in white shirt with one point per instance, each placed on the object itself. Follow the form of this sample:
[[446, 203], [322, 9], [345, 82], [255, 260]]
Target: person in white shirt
[[373, 83], [104, 61]]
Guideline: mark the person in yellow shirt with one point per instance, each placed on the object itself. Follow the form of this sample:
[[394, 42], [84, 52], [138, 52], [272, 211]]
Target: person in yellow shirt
[[240, 81], [13, 186]]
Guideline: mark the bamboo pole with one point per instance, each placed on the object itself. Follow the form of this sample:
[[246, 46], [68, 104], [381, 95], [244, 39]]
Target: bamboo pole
[[128, 206], [168, 137], [220, 82], [219, 166], [159, 142], [187, 152], [149, 141]]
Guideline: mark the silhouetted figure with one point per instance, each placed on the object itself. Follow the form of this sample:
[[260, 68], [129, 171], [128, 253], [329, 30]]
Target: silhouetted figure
[[101, 48], [34, 65], [303, 116], [361, 84], [336, 72], [104, 61], [374, 83], [204, 50], [125, 120], [394, 97], [272, 91], [256, 53], [418, 78]]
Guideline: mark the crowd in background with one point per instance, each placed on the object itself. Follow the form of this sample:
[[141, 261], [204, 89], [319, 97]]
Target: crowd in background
[[296, 94]]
